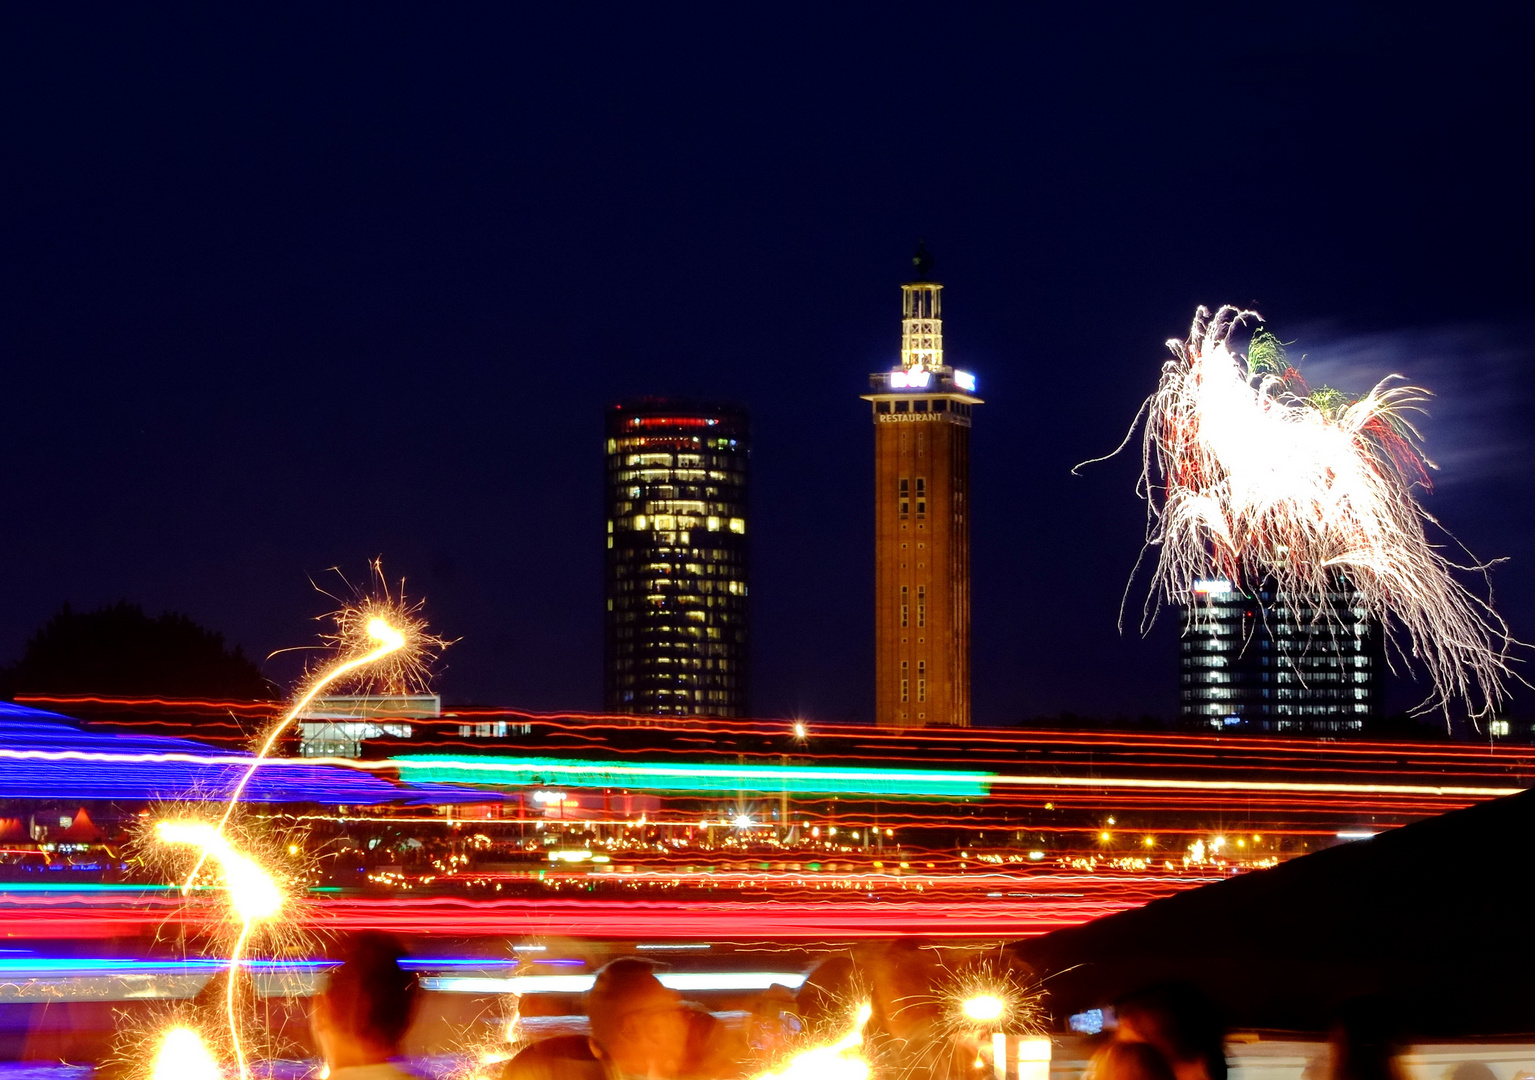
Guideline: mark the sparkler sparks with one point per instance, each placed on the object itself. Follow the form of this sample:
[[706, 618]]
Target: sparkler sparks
[[839, 1060], [1250, 476], [184, 1056], [988, 997]]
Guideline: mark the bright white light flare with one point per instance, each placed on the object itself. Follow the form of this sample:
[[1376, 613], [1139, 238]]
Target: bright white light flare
[[252, 892], [984, 1008], [184, 1056], [840, 1060]]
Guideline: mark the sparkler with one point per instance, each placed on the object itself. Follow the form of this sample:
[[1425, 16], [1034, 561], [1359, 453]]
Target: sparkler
[[252, 893], [380, 634], [1250, 476], [988, 997], [842, 1059], [184, 1056]]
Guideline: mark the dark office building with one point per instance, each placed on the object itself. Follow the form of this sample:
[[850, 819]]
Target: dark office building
[[1267, 663], [676, 632]]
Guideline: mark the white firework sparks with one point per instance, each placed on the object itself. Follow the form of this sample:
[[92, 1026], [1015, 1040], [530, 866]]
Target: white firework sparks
[[1249, 476]]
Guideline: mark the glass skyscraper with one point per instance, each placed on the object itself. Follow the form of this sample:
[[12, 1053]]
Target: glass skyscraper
[[676, 621], [1270, 662]]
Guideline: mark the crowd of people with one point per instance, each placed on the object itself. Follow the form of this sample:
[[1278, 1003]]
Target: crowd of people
[[642, 1030]]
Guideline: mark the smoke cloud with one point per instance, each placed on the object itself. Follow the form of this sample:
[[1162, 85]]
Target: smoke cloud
[[1481, 377]]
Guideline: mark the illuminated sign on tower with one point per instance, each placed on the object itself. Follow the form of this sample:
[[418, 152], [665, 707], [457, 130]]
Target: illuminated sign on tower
[[922, 413]]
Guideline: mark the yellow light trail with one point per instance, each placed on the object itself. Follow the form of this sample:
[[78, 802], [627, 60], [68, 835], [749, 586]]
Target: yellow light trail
[[252, 893], [390, 640]]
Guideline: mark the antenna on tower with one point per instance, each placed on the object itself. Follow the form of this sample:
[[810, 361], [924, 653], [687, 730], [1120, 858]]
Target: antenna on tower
[[923, 262]]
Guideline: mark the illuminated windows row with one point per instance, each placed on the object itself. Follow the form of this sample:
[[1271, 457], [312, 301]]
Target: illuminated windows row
[[669, 523]]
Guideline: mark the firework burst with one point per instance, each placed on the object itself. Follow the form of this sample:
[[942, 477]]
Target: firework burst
[[1250, 476]]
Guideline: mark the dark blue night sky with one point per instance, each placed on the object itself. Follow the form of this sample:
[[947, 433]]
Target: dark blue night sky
[[283, 292]]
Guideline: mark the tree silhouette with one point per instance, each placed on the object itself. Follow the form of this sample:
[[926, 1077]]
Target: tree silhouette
[[119, 650]]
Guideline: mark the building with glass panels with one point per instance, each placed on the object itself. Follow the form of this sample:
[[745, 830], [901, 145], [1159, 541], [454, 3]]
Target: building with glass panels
[[1268, 662], [676, 622]]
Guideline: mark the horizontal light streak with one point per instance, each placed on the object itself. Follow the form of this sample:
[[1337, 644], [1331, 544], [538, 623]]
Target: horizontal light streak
[[579, 984], [576, 772], [808, 915], [770, 779], [1294, 786]]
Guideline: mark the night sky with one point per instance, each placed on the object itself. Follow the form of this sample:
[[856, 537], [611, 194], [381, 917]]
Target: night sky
[[286, 292]]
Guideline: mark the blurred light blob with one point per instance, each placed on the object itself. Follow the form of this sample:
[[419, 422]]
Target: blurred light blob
[[184, 1056]]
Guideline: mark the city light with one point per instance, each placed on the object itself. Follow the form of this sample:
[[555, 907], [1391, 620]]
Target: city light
[[964, 380]]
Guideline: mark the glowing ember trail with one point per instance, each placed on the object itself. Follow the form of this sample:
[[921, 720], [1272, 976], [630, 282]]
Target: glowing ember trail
[[252, 894], [1250, 476], [389, 641]]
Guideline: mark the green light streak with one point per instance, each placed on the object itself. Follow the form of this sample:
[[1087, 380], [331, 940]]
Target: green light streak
[[89, 887], [495, 771]]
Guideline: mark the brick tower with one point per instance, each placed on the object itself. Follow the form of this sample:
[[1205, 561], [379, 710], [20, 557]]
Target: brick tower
[[922, 413]]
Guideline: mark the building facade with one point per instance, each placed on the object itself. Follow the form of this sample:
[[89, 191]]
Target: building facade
[[676, 622], [1268, 663], [922, 411]]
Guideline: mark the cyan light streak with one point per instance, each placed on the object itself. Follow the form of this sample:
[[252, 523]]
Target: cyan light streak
[[63, 966], [497, 771]]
